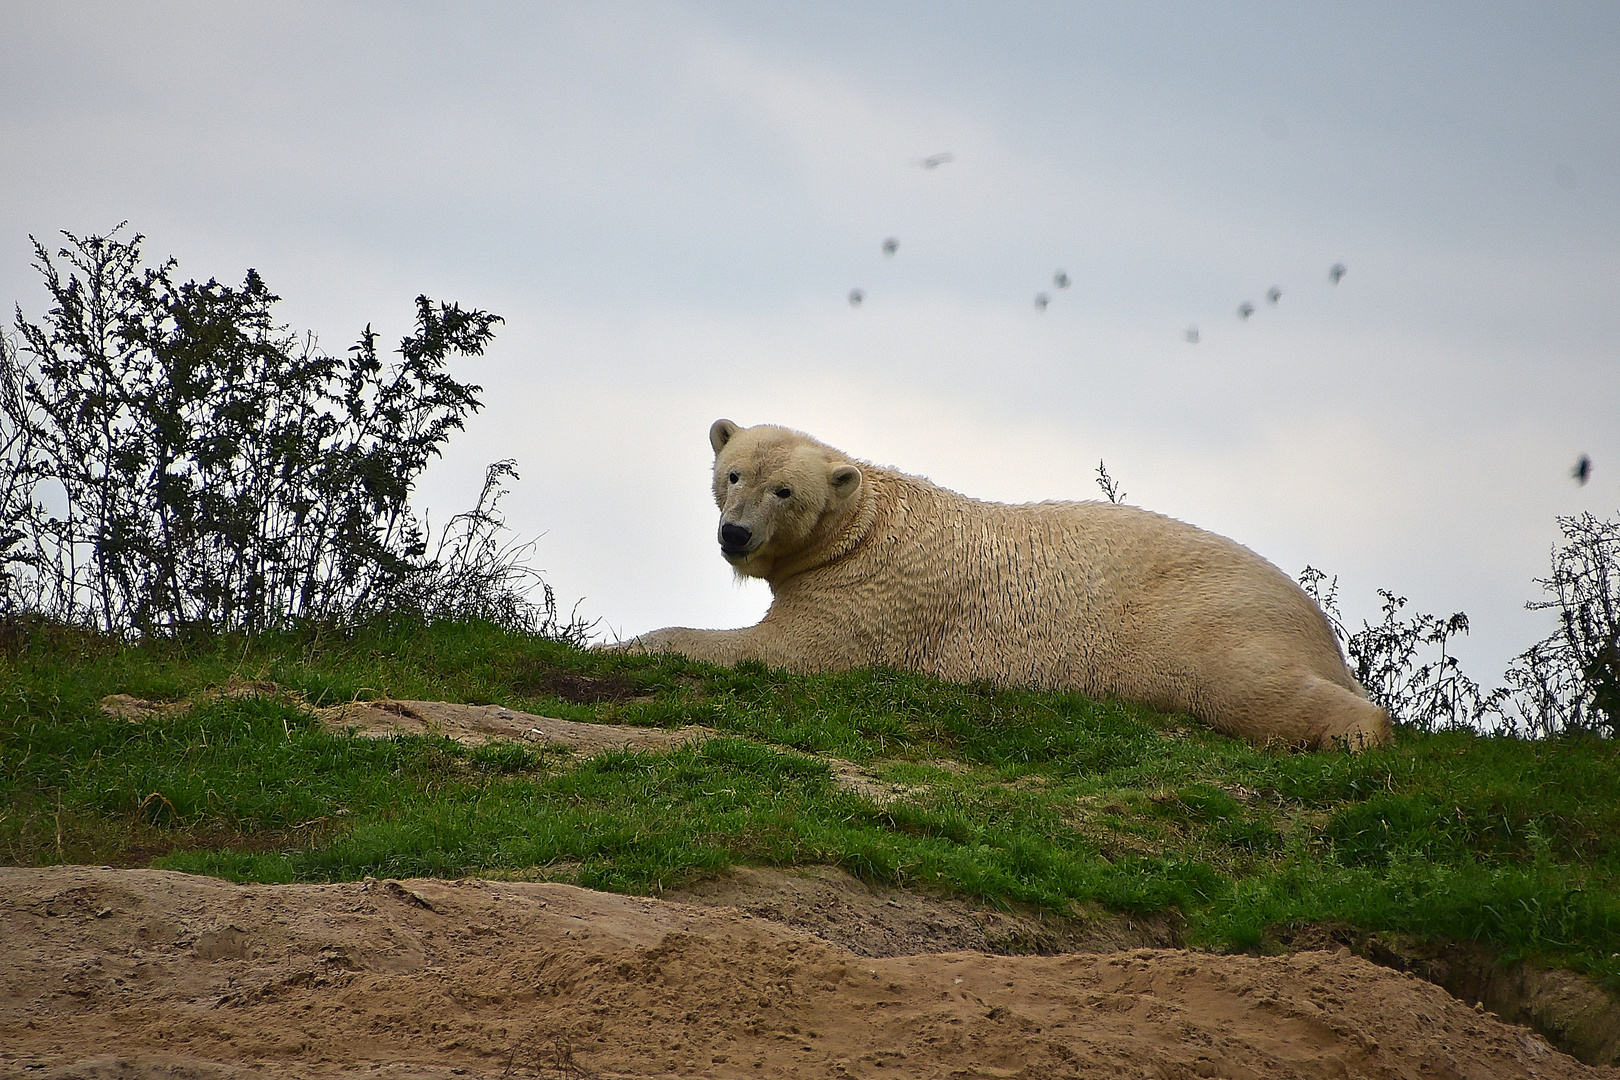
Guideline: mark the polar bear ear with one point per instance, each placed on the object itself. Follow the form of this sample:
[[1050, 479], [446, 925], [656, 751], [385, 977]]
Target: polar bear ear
[[844, 479], [720, 433]]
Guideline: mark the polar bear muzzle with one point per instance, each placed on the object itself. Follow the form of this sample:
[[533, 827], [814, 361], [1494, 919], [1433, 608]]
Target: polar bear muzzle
[[735, 539]]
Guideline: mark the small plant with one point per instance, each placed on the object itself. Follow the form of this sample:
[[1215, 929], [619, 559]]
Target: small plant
[[1110, 489], [1430, 692], [1325, 591], [18, 564]]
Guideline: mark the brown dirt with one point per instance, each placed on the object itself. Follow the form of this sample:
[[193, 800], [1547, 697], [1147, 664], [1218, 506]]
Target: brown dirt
[[144, 974], [580, 689], [876, 920], [1576, 1014]]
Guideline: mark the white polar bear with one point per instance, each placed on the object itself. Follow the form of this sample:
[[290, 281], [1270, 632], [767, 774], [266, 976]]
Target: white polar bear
[[868, 566]]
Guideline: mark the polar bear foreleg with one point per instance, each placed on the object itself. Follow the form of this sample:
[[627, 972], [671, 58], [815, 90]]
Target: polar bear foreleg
[[727, 648]]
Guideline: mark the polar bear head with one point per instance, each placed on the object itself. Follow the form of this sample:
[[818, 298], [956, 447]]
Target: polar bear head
[[782, 495]]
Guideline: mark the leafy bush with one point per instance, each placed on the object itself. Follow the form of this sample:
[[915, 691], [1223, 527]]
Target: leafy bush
[[174, 460]]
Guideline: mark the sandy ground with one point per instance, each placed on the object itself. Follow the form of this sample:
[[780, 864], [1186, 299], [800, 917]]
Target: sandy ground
[[142, 973]]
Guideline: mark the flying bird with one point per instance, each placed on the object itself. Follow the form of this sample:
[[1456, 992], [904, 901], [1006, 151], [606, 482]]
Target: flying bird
[[1336, 273], [1245, 309], [1060, 279], [1041, 300], [890, 246], [934, 161], [1582, 472], [1273, 295], [855, 297], [1192, 335]]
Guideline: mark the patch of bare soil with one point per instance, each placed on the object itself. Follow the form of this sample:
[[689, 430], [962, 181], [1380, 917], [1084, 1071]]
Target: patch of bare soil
[[874, 920], [1574, 1013], [580, 689], [142, 973]]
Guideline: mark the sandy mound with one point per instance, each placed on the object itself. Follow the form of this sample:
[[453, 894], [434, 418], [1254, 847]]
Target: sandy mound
[[141, 973]]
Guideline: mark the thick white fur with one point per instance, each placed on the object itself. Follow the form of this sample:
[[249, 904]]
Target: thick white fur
[[869, 566]]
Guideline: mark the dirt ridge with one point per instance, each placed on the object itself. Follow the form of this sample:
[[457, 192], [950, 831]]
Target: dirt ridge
[[142, 973]]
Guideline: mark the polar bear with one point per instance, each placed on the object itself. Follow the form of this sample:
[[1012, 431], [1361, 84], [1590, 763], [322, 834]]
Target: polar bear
[[869, 566]]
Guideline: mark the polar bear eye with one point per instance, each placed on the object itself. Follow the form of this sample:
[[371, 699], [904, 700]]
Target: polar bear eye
[[784, 493], [732, 477]]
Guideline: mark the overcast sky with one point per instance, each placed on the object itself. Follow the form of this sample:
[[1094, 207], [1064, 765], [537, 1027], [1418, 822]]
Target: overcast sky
[[670, 203]]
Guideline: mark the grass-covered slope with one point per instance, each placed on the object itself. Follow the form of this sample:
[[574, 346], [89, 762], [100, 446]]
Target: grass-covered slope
[[1046, 799]]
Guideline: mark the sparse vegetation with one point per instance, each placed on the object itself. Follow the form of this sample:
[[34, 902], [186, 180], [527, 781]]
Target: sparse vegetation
[[1404, 662], [1571, 680], [1568, 682]]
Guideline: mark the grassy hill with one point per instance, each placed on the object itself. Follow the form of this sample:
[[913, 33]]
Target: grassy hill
[[1050, 800]]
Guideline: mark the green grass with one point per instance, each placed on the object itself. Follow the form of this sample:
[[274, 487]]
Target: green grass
[[1045, 799]]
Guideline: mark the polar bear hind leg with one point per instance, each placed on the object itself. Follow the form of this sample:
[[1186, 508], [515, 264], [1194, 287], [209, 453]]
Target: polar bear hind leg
[[1342, 718], [1295, 707]]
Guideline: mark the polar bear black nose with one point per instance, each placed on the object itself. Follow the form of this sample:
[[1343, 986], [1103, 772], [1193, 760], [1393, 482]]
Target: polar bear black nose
[[735, 537]]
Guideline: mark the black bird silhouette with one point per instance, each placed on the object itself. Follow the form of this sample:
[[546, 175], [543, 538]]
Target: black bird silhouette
[[1041, 300], [1273, 295], [855, 297], [1245, 309], [1338, 271], [934, 161], [890, 246], [1192, 335], [1060, 279], [1582, 472]]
